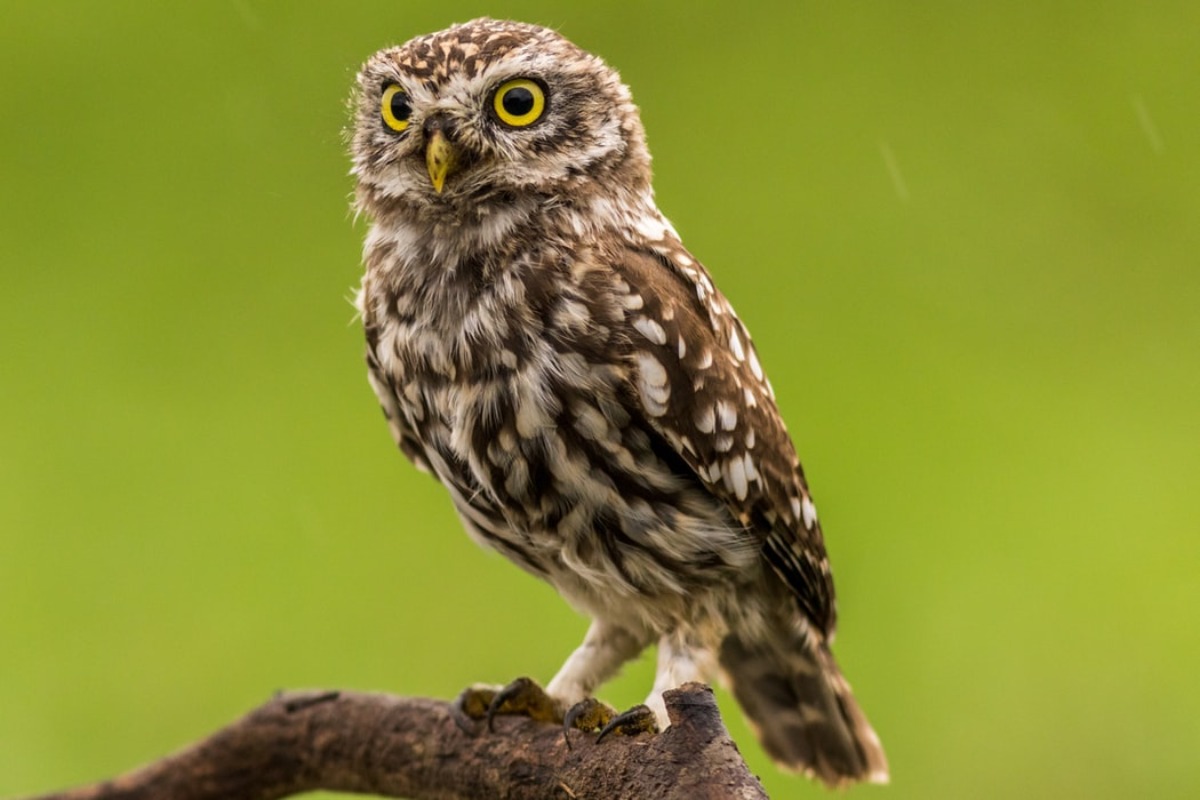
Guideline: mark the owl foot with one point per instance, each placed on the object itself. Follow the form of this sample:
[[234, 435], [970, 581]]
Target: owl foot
[[592, 715], [588, 714], [639, 719], [523, 697]]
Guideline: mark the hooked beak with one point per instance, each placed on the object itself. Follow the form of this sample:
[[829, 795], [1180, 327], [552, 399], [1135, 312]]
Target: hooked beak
[[440, 159]]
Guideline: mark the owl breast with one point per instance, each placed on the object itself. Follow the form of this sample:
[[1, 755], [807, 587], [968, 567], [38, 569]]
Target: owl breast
[[512, 378]]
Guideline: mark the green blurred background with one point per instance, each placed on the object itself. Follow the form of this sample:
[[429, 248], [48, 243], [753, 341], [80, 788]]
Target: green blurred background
[[965, 239]]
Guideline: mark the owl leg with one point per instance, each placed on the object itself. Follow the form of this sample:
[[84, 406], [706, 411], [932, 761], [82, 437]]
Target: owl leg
[[680, 660], [605, 649]]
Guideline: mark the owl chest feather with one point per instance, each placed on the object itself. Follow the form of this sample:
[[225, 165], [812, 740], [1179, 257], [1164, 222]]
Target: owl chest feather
[[516, 379], [484, 358]]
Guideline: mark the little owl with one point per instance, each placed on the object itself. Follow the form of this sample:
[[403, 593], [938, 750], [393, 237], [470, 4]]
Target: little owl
[[545, 346]]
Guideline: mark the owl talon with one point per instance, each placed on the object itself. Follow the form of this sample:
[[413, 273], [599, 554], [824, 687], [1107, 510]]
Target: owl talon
[[472, 705], [588, 714], [523, 696], [639, 719]]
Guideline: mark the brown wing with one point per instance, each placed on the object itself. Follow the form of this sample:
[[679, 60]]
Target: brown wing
[[702, 388]]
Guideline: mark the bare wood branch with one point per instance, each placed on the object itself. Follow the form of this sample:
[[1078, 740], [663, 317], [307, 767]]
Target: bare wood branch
[[412, 748]]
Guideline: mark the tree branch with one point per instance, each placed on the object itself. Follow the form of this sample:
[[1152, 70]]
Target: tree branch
[[410, 747]]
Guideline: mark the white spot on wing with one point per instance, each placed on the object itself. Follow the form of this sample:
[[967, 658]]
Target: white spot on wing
[[652, 382], [735, 345], [809, 511], [727, 414], [755, 367], [650, 329], [751, 470], [705, 419], [737, 478]]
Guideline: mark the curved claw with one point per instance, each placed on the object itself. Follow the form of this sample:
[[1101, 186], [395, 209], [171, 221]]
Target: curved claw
[[639, 719], [472, 705], [586, 715], [501, 697], [461, 720]]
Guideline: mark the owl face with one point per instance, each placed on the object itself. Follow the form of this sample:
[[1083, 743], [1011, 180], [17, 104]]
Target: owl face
[[488, 110]]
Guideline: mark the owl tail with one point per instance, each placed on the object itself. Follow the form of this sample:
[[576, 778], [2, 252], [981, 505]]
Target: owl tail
[[802, 709]]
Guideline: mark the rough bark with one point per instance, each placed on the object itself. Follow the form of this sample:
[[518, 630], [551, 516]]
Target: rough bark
[[408, 747]]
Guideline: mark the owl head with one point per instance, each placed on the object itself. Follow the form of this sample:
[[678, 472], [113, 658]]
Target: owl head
[[489, 111]]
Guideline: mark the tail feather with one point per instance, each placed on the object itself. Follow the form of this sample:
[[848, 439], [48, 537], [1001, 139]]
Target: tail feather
[[802, 709]]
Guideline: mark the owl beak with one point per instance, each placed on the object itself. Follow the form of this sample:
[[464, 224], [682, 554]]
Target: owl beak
[[440, 159]]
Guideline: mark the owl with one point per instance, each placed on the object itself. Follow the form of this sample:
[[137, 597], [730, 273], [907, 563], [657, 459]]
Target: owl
[[544, 345]]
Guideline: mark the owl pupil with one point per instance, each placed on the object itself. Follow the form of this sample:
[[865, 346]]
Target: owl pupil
[[518, 101], [400, 107]]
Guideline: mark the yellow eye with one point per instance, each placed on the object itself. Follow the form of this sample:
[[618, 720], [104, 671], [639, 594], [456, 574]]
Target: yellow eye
[[395, 108], [519, 102]]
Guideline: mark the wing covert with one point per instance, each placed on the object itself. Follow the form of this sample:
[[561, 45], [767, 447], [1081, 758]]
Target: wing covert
[[702, 388]]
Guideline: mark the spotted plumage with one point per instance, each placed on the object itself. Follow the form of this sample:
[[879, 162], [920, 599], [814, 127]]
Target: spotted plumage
[[544, 345]]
